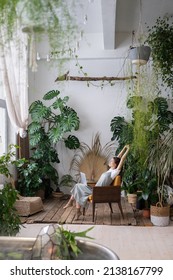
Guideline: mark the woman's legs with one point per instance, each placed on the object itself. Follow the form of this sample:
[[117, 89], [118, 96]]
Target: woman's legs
[[78, 211], [80, 193], [70, 202]]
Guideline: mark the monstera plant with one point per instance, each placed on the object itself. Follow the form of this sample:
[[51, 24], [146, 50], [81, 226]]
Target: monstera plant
[[50, 125], [150, 122]]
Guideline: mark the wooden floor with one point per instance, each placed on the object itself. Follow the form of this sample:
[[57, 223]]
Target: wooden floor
[[54, 213]]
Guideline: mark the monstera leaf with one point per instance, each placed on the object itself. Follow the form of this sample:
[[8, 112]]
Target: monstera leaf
[[38, 111], [51, 94], [72, 142], [122, 130], [34, 127]]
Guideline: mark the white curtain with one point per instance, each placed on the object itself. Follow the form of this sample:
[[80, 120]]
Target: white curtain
[[13, 64]]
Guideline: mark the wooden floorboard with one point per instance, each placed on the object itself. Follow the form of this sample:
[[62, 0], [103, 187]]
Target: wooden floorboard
[[54, 213]]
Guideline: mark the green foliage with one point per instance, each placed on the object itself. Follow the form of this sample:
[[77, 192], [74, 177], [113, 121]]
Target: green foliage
[[8, 159], [9, 219], [51, 17], [67, 248], [49, 125], [151, 119], [160, 38]]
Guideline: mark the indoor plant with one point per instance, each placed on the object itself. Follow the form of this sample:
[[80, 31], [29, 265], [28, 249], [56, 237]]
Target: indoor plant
[[9, 219], [160, 37], [49, 125], [161, 162], [151, 119], [139, 52], [39, 19], [65, 181]]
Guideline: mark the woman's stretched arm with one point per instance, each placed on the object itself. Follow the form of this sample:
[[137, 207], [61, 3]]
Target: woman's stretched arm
[[122, 151], [123, 155]]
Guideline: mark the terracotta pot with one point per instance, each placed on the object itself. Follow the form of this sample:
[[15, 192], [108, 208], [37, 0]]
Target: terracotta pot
[[146, 213]]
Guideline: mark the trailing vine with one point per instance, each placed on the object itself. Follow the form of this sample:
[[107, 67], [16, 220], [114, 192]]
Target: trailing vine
[[160, 39]]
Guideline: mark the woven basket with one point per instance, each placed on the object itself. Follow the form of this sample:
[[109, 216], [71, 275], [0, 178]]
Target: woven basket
[[57, 194], [160, 215], [159, 210]]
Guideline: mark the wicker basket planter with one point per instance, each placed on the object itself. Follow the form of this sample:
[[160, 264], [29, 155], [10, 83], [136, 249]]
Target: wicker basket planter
[[160, 215], [57, 195]]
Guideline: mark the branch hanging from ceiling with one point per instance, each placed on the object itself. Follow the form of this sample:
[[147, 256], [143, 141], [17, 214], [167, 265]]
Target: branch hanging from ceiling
[[67, 77]]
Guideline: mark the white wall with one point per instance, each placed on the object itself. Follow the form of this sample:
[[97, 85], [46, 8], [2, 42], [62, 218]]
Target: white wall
[[95, 106]]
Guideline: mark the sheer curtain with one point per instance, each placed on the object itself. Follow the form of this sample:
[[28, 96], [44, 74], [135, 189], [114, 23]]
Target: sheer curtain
[[13, 65]]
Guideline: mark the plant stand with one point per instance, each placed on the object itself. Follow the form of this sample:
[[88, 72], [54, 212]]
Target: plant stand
[[160, 215]]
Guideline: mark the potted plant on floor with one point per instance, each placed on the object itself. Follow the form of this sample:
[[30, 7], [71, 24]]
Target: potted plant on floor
[[161, 162], [151, 121], [9, 218], [148, 191], [66, 181], [49, 125]]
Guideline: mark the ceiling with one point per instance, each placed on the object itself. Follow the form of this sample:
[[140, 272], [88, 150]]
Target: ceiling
[[113, 16]]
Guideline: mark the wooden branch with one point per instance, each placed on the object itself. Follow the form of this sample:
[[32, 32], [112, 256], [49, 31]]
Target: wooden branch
[[87, 79]]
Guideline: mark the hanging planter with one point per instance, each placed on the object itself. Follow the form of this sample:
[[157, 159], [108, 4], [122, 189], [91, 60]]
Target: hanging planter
[[139, 55], [160, 215]]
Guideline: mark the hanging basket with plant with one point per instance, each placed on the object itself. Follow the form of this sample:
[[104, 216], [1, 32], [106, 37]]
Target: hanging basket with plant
[[160, 38]]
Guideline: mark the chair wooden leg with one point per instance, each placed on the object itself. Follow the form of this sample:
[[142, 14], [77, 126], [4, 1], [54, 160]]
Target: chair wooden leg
[[93, 211], [83, 211], [110, 205], [121, 210]]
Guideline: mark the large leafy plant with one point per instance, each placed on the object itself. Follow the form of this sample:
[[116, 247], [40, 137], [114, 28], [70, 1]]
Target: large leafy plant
[[49, 125], [142, 132]]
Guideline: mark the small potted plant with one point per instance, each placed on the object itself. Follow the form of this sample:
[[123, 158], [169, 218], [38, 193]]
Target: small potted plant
[[66, 181], [9, 218]]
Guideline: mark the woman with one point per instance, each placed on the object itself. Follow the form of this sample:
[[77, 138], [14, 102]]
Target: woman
[[80, 192]]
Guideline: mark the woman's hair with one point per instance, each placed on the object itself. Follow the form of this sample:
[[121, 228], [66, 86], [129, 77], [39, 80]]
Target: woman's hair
[[117, 160]]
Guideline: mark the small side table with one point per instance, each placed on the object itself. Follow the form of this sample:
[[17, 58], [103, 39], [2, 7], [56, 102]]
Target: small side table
[[91, 183]]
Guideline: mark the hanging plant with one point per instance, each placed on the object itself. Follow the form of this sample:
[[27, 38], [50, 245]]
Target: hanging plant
[[51, 19], [160, 38]]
